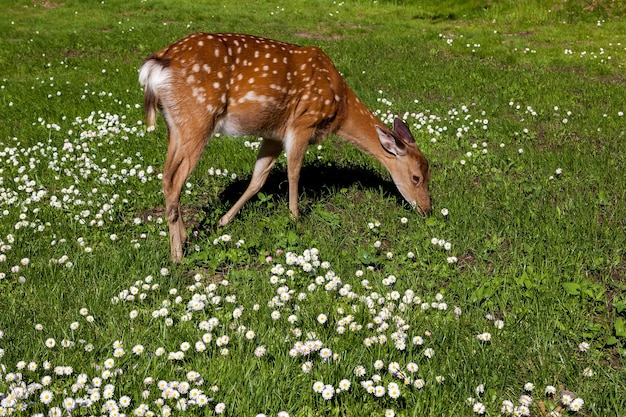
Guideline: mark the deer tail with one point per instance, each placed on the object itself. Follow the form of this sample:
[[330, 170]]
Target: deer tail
[[153, 76]]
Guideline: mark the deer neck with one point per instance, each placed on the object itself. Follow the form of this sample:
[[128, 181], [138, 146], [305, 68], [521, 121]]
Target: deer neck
[[359, 128]]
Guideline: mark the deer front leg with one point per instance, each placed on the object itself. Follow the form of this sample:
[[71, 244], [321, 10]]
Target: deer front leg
[[295, 149], [268, 153]]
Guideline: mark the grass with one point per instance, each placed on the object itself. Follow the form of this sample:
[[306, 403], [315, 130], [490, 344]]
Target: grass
[[519, 107]]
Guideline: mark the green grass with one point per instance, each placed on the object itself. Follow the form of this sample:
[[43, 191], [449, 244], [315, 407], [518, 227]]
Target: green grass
[[533, 87]]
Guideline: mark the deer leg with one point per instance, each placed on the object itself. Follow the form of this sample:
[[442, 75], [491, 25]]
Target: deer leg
[[268, 153], [182, 158], [295, 150]]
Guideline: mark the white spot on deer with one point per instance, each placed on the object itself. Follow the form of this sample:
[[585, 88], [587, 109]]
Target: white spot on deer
[[196, 67], [200, 43], [216, 85], [251, 81], [206, 68], [252, 96], [191, 80], [217, 52], [198, 93]]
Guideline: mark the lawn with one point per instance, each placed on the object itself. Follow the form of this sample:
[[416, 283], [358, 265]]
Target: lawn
[[510, 298]]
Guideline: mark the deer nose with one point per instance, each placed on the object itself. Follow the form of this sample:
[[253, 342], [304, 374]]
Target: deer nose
[[424, 210]]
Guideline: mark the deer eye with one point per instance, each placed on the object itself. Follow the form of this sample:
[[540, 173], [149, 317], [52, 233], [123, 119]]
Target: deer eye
[[417, 179]]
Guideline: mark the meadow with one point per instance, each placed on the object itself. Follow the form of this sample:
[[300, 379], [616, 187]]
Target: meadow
[[510, 299]]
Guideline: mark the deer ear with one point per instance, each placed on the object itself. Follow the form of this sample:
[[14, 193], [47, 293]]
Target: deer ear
[[390, 143], [403, 130]]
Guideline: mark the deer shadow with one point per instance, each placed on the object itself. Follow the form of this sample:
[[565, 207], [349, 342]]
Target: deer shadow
[[316, 182]]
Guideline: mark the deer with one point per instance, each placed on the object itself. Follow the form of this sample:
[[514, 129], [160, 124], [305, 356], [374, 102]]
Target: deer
[[292, 96]]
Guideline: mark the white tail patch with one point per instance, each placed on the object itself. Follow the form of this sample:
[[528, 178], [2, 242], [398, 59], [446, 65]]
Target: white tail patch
[[153, 75]]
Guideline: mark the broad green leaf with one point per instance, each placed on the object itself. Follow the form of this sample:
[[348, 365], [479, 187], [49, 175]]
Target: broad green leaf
[[571, 288]]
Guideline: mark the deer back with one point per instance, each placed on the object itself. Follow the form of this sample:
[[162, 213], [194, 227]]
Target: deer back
[[244, 85]]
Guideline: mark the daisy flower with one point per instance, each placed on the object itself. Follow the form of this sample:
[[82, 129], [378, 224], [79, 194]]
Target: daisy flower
[[418, 340], [327, 394], [46, 396], [325, 353], [479, 408], [577, 405], [69, 403], [393, 390], [359, 371], [566, 399], [484, 337], [507, 407], [526, 400], [318, 387], [344, 384], [124, 401]]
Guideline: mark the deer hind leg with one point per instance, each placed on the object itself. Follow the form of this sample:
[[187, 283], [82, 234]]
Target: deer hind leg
[[268, 153], [185, 147]]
